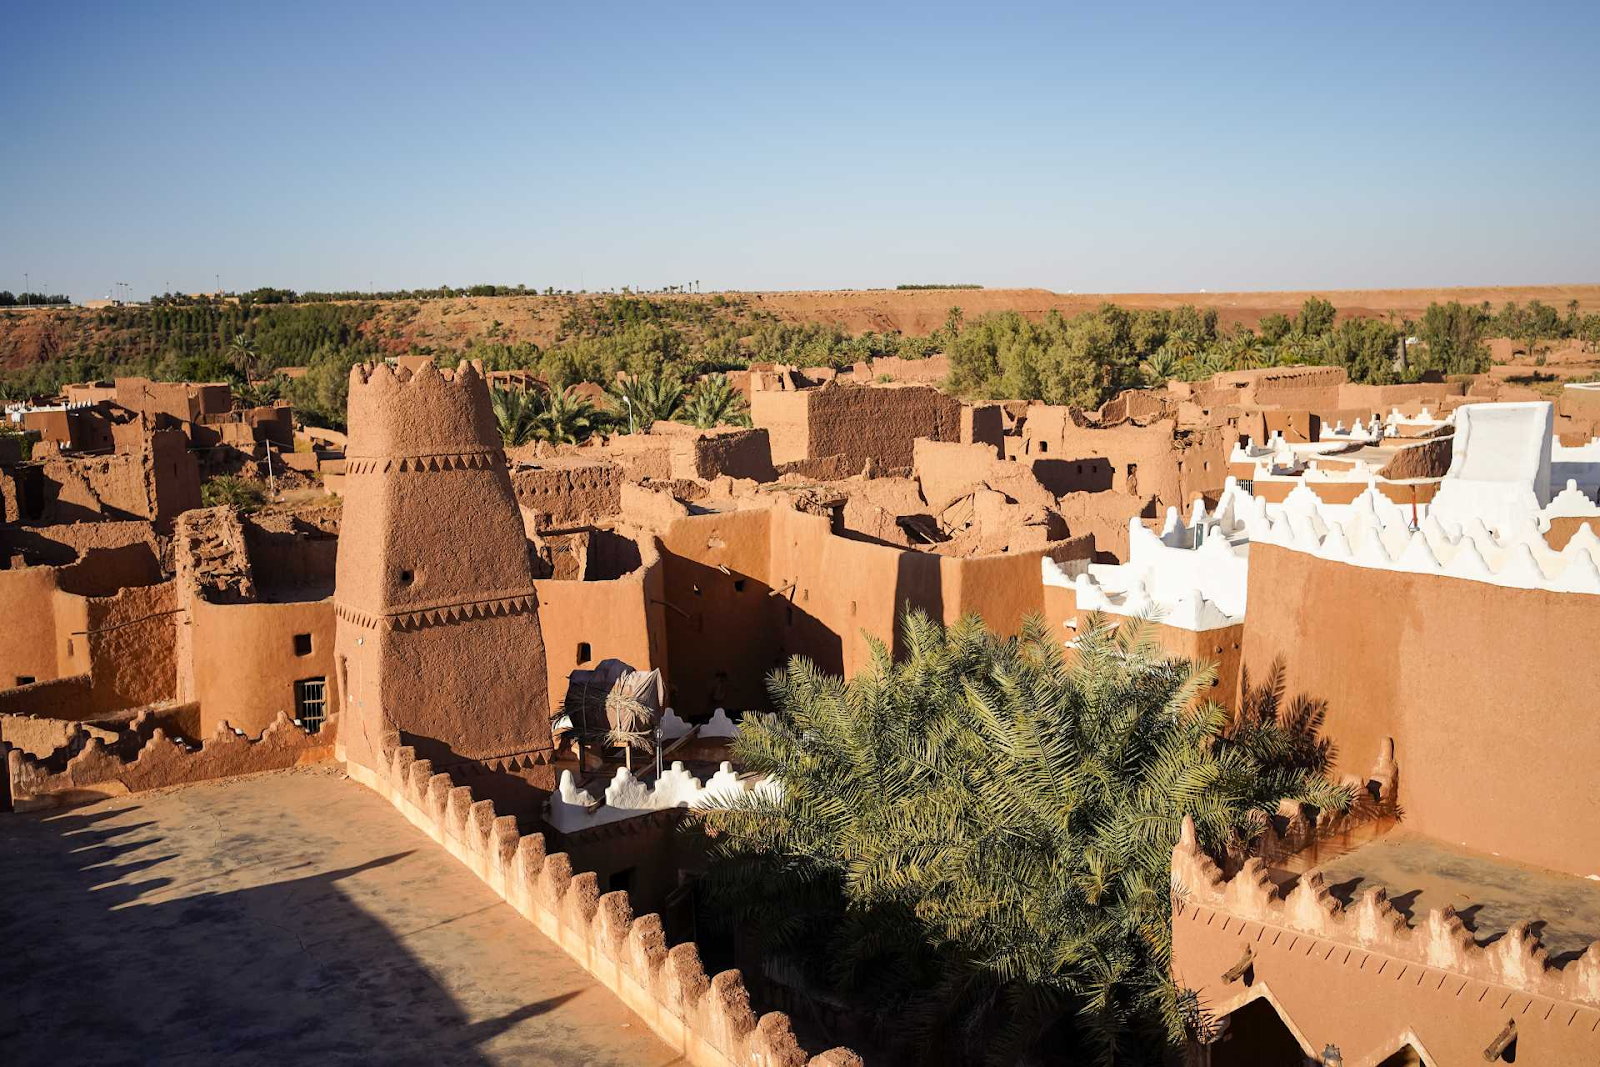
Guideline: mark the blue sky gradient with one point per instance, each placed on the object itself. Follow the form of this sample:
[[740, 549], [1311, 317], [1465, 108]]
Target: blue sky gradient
[[1095, 149]]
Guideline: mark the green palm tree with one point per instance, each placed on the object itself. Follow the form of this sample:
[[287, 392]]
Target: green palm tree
[[516, 415], [975, 840], [715, 402], [567, 417], [641, 400], [1160, 367]]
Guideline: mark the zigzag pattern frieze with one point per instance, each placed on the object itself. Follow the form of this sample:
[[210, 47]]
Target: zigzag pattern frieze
[[442, 461], [421, 618]]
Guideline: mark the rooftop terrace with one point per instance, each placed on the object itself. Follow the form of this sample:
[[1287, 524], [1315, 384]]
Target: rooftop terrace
[[283, 918]]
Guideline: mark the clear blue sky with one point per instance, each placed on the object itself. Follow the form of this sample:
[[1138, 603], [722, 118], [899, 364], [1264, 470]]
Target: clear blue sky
[[1100, 148]]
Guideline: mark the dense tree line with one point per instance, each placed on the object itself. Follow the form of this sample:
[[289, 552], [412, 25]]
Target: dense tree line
[[9, 299], [1081, 359]]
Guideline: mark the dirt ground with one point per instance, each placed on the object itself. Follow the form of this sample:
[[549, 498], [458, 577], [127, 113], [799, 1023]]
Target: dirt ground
[[921, 311], [280, 919]]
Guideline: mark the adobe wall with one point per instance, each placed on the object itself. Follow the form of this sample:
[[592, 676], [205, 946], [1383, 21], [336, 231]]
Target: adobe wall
[[793, 588], [707, 1020], [183, 401], [438, 631], [1143, 461], [569, 491], [31, 649], [620, 618], [880, 424], [733, 453], [785, 415], [131, 642], [100, 771], [244, 662], [54, 546], [720, 641], [1369, 978], [1493, 718]]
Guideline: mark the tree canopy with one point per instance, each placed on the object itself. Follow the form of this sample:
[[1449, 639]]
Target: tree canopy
[[975, 841]]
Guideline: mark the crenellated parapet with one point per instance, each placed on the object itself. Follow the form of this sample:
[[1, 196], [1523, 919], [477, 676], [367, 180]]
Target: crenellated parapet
[[707, 1019], [155, 760], [1440, 941], [428, 412]]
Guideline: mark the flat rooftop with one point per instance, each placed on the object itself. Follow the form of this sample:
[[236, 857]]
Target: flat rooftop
[[284, 918], [1490, 894]]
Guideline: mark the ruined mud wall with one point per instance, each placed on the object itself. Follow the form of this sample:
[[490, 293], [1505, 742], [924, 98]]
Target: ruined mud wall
[[747, 590], [879, 424], [568, 492], [1483, 687], [707, 1020], [99, 771]]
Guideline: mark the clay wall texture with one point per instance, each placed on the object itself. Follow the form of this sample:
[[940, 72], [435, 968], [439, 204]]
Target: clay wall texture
[[722, 627], [856, 422], [1481, 686], [183, 401], [62, 605], [159, 762], [438, 630], [618, 618], [568, 491]]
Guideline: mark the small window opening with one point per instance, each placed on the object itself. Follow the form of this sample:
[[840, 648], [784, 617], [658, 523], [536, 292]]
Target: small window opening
[[311, 703], [1044, 446], [25, 679], [302, 644], [584, 652], [407, 577], [620, 881], [738, 585], [69, 646]]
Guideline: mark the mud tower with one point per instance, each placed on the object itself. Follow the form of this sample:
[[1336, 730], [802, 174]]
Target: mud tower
[[438, 634]]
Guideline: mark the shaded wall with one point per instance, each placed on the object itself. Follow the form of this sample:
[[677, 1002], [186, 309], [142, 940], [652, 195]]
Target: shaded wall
[[793, 588], [1487, 691]]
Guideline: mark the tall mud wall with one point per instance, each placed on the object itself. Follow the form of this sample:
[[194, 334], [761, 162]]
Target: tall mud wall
[[1488, 692]]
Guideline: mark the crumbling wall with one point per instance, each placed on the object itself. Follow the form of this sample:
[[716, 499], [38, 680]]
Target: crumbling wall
[[568, 491], [707, 1020], [731, 453], [98, 771], [1440, 689], [750, 589], [878, 424]]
